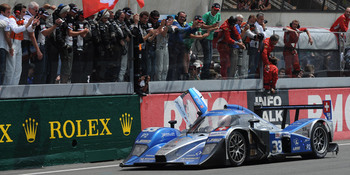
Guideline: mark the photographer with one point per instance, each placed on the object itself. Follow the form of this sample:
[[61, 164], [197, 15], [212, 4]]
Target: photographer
[[256, 44], [41, 32], [123, 43], [61, 44], [79, 75]]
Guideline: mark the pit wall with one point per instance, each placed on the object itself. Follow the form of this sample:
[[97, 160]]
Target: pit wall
[[51, 131], [158, 109]]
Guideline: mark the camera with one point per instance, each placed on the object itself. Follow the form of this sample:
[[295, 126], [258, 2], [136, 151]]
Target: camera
[[260, 36], [265, 21]]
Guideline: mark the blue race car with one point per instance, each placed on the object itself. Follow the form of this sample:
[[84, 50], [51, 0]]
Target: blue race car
[[230, 136]]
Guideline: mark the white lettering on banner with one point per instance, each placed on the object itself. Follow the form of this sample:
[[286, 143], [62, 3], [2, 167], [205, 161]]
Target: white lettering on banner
[[219, 103], [269, 101], [347, 111], [191, 111], [337, 110], [314, 99], [169, 106]]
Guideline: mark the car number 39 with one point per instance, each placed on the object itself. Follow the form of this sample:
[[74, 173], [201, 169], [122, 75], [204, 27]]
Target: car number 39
[[277, 146]]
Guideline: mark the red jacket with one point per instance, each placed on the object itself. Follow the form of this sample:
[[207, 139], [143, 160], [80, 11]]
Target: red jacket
[[292, 37], [341, 24], [270, 77], [268, 48], [229, 32]]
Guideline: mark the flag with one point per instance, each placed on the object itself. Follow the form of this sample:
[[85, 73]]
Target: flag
[[90, 7], [141, 3]]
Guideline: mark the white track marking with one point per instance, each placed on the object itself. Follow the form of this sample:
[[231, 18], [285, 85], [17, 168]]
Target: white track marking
[[68, 170]]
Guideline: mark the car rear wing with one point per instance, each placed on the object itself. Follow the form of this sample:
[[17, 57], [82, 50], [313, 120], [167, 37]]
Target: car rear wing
[[326, 106]]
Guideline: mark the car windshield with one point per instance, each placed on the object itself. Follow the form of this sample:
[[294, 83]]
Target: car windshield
[[209, 123]]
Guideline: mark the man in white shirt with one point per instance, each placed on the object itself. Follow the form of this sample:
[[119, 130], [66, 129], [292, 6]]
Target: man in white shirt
[[5, 41], [256, 45], [14, 62], [29, 43]]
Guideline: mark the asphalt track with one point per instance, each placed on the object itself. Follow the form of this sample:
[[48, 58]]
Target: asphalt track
[[330, 165]]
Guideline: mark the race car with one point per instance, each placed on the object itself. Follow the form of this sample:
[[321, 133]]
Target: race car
[[230, 136]]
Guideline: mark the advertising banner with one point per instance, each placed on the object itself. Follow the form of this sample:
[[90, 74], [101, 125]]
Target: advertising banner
[[265, 99], [158, 109], [48, 131], [340, 98]]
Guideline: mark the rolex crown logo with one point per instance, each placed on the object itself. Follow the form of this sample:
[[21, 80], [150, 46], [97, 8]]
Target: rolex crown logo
[[126, 122], [30, 128]]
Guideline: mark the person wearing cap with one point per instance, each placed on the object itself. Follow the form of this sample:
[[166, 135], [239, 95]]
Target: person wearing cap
[[41, 32], [79, 73], [30, 47], [106, 48], [191, 37], [211, 19], [128, 14], [61, 45], [228, 37]]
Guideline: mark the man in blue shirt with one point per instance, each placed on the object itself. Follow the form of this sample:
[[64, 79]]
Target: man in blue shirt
[[177, 46]]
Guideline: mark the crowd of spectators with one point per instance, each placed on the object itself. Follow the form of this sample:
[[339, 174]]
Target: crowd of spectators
[[49, 44]]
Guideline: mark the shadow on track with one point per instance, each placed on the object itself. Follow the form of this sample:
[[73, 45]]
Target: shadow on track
[[192, 168]]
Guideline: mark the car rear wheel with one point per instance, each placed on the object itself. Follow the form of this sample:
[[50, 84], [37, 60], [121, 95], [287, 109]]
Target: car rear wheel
[[236, 148], [319, 141]]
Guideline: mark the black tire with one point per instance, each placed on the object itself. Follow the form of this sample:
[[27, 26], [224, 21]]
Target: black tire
[[236, 148], [319, 141]]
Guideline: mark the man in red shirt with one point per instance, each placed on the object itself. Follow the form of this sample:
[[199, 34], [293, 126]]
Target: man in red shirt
[[228, 36], [342, 23], [291, 37], [270, 71], [271, 75]]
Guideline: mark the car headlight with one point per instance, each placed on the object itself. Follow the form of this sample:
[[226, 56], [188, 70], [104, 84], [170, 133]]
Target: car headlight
[[208, 148], [138, 150]]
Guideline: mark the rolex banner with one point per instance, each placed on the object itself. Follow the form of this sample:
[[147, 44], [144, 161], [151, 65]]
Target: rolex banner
[[41, 132]]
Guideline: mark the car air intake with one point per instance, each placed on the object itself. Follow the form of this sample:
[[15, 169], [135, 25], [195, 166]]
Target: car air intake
[[160, 159]]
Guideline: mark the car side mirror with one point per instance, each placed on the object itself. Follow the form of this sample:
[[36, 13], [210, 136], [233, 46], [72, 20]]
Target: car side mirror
[[172, 123], [252, 121]]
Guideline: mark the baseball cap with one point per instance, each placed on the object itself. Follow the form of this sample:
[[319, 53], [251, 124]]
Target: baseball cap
[[80, 13], [198, 18], [73, 8], [43, 11], [127, 11], [169, 17], [216, 6]]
